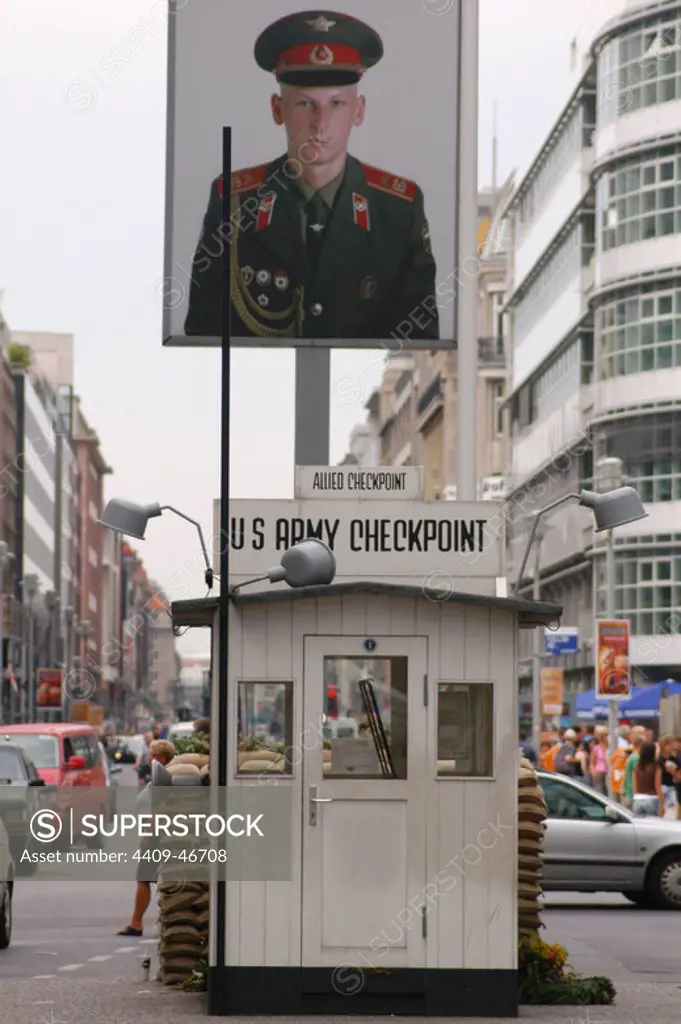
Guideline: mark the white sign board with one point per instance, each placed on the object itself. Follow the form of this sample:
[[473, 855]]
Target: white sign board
[[406, 542], [357, 483]]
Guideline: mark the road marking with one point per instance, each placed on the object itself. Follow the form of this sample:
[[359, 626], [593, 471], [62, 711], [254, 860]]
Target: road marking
[[70, 967], [125, 949], [148, 942], [43, 977], [99, 959]]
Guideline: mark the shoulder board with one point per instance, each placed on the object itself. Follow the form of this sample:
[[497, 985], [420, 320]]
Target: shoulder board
[[384, 181], [244, 181]]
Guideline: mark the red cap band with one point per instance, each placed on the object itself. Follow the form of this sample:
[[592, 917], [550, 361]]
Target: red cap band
[[319, 55]]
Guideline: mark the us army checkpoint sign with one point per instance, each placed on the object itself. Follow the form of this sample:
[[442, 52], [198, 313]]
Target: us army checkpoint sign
[[458, 544], [360, 483]]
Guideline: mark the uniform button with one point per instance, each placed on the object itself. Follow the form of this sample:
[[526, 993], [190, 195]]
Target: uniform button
[[317, 309]]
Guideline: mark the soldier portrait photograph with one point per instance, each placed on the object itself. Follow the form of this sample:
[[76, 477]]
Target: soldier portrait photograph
[[345, 230]]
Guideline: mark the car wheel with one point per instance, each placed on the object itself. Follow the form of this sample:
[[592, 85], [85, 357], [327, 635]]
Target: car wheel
[[640, 899], [5, 917], [664, 884]]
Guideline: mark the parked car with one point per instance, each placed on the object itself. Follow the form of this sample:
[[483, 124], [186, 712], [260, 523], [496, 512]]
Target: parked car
[[128, 749], [180, 731], [6, 888], [593, 844], [22, 794], [67, 757]]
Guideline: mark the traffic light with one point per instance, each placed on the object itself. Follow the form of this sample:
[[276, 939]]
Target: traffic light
[[332, 702]]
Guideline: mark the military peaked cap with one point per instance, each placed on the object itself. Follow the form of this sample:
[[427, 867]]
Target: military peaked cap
[[318, 48]]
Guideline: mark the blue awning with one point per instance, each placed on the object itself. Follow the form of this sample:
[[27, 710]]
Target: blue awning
[[644, 701]]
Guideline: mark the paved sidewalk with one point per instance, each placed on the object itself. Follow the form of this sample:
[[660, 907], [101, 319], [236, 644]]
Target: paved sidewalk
[[118, 1001]]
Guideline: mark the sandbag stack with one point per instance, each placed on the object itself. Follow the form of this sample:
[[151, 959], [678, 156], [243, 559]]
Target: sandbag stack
[[532, 812], [183, 901], [183, 917]]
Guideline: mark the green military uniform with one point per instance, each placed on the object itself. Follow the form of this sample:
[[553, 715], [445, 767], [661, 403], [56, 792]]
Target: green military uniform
[[352, 260]]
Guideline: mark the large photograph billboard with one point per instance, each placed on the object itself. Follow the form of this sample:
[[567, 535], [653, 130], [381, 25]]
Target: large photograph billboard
[[343, 191]]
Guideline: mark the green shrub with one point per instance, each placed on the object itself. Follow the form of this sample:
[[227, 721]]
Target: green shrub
[[545, 978]]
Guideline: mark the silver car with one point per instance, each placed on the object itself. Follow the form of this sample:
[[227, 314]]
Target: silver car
[[595, 845]]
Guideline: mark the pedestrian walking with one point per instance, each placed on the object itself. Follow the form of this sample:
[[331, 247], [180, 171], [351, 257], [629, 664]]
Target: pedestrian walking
[[670, 764], [162, 751], [566, 762], [599, 763], [628, 786], [648, 794]]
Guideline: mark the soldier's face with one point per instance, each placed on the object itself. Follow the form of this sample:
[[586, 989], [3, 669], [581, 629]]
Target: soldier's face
[[318, 120]]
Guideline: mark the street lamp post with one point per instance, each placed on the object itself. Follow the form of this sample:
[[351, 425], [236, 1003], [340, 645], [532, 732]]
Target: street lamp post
[[537, 645], [6, 557], [31, 585], [68, 652], [609, 476]]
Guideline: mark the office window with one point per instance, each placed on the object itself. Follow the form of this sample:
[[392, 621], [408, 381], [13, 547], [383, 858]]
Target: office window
[[640, 330], [640, 69], [640, 200]]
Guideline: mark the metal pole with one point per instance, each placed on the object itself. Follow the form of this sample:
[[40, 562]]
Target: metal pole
[[313, 406], [31, 678], [610, 614], [536, 657], [467, 252]]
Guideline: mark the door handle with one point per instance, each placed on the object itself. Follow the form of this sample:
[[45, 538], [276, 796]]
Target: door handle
[[314, 800]]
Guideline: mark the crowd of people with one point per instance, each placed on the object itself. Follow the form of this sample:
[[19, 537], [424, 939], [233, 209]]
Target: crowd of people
[[643, 772]]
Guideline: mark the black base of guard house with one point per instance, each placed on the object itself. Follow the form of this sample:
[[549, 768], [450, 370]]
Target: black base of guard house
[[295, 991]]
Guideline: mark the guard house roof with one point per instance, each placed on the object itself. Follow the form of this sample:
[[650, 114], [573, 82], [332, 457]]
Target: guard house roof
[[200, 611]]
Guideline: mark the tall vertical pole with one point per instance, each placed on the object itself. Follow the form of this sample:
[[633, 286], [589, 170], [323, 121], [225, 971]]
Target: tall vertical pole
[[313, 406], [31, 675], [610, 614], [536, 655], [467, 252], [219, 730]]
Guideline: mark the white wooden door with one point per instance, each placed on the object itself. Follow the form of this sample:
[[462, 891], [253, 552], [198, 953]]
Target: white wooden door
[[364, 843]]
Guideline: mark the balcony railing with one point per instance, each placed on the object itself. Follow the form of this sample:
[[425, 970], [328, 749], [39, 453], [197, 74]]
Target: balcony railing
[[431, 393], [491, 351]]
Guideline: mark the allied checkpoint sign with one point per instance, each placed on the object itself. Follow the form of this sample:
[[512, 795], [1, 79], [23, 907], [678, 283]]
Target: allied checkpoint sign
[[442, 547], [315, 100], [360, 483]]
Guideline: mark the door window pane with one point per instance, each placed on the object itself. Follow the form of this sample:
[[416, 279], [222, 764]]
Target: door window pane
[[365, 717], [265, 728], [465, 730]]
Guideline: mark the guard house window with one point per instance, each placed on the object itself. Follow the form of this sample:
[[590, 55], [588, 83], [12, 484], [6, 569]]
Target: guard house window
[[365, 718], [264, 728], [465, 730]]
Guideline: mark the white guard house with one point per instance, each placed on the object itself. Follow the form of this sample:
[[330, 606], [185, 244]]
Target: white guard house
[[393, 692]]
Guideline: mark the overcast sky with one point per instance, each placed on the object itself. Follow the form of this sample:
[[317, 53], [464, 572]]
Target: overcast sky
[[81, 214]]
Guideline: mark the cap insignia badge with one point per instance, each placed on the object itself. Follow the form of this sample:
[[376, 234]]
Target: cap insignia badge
[[321, 24], [247, 274], [281, 280], [263, 300], [263, 277], [321, 56]]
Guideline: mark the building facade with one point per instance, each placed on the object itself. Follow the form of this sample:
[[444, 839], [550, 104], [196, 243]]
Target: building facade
[[413, 414], [594, 334]]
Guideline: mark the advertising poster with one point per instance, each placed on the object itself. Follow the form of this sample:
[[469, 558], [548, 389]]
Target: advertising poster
[[342, 222], [551, 681], [613, 677], [49, 692]]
